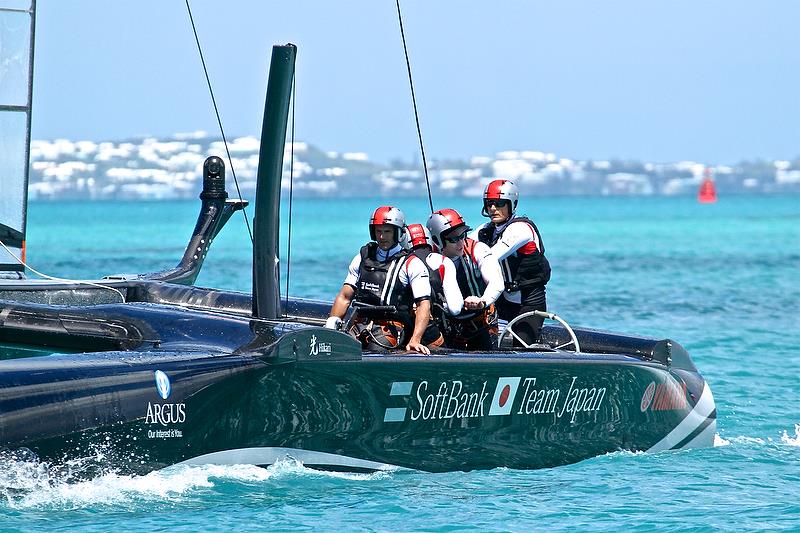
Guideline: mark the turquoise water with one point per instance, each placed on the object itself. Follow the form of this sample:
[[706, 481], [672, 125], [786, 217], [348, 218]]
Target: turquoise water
[[721, 279]]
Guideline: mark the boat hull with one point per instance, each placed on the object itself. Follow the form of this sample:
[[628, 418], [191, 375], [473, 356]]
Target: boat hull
[[348, 411]]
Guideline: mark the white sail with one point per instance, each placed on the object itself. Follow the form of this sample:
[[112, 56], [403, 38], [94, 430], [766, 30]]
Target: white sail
[[17, 20]]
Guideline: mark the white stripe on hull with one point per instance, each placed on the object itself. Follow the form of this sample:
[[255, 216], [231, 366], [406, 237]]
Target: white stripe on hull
[[704, 407], [705, 439], [269, 455]]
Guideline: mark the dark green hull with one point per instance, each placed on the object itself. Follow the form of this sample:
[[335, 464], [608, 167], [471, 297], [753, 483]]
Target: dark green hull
[[257, 391]]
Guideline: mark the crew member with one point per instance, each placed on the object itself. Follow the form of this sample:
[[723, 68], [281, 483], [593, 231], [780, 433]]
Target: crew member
[[387, 282], [479, 279], [446, 298], [516, 242]]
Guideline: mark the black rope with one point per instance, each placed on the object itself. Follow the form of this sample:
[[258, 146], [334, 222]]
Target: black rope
[[414, 100], [291, 190], [219, 120]]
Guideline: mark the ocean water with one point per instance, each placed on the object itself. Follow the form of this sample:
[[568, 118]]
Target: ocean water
[[722, 279]]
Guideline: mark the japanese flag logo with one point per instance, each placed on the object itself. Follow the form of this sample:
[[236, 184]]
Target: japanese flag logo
[[504, 396]]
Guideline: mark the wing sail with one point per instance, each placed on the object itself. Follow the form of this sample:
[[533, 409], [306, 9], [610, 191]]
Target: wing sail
[[17, 20]]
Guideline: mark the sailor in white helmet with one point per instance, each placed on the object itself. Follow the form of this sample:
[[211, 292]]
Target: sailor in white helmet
[[517, 244], [446, 298], [479, 279], [382, 276]]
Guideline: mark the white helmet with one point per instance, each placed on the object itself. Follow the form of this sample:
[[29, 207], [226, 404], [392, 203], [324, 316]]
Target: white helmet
[[443, 221], [387, 214], [418, 235], [501, 190]]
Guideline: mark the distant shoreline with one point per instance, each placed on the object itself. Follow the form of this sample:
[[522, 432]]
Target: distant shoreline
[[171, 169], [440, 199]]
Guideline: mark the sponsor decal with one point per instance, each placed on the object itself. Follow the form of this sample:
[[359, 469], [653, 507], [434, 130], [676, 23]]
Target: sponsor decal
[[669, 396], [398, 414], [318, 348], [371, 287], [163, 385], [449, 400], [164, 434], [550, 401], [647, 397], [164, 414], [504, 395], [452, 399]]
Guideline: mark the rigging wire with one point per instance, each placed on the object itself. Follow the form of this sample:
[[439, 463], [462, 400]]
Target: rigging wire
[[53, 278], [219, 120], [414, 100], [291, 190]]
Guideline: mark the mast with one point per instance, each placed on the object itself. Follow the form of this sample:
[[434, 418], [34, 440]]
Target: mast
[[266, 222], [17, 26]]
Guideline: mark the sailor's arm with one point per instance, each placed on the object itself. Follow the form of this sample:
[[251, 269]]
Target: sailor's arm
[[415, 275], [454, 300], [421, 319], [342, 302], [491, 273], [516, 235]]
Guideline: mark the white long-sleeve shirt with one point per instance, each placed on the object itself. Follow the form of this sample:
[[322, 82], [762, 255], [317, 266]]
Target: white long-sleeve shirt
[[518, 236]]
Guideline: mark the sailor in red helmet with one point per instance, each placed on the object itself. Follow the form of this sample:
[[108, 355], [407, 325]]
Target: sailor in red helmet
[[517, 244], [446, 298], [381, 275], [479, 279]]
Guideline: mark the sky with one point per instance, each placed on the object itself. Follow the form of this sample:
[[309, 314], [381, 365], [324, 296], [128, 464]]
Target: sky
[[713, 81]]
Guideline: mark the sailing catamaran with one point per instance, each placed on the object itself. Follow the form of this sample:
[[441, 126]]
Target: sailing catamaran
[[155, 371]]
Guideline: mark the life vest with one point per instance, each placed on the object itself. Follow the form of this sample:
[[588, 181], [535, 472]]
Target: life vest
[[438, 301], [520, 269], [468, 275], [379, 283], [435, 276]]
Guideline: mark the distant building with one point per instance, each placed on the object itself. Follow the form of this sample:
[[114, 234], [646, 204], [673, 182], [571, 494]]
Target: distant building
[[157, 169]]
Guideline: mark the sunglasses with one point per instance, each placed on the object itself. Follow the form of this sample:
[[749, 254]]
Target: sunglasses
[[495, 203], [459, 237]]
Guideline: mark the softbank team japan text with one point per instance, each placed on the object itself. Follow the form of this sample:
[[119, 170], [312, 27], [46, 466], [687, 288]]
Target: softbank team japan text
[[450, 399]]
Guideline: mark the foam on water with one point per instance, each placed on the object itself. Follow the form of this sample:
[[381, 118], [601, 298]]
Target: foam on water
[[792, 441], [34, 484], [719, 441]]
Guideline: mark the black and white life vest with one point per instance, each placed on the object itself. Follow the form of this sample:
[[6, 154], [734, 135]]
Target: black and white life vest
[[379, 282], [520, 269], [438, 301], [468, 275]]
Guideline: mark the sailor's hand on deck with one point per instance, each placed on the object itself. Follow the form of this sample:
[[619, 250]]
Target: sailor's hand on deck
[[417, 347], [473, 302], [333, 322]]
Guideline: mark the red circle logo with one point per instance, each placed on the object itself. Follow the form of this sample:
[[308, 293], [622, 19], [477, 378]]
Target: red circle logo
[[504, 395]]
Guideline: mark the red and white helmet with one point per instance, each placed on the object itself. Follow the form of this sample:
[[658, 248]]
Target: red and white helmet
[[387, 214], [443, 221], [418, 235], [501, 190]]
